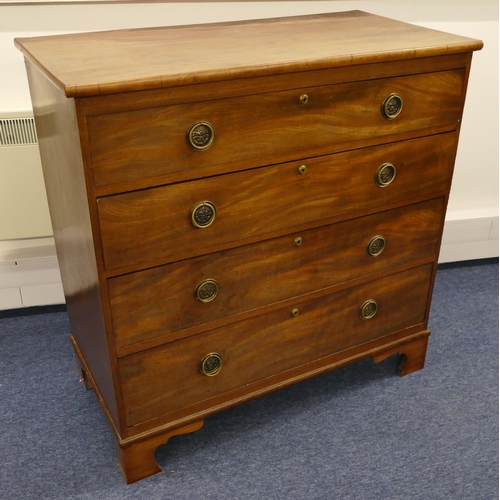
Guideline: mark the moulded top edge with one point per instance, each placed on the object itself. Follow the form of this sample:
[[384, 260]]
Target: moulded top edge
[[106, 62]]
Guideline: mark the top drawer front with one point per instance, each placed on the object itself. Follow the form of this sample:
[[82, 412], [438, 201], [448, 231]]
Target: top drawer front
[[260, 203], [267, 128]]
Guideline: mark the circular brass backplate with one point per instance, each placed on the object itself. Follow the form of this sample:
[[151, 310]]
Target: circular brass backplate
[[207, 290], [211, 364], [385, 174], [376, 246], [203, 214], [392, 106], [201, 136], [368, 309]]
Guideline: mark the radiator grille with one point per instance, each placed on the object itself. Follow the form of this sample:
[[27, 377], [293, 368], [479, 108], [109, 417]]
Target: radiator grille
[[17, 132]]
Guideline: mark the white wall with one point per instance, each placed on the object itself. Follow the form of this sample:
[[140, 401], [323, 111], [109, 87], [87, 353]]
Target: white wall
[[472, 221]]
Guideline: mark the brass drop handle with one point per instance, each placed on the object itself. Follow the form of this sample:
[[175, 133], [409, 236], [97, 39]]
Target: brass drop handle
[[392, 106], [211, 364], [304, 98], [200, 136], [385, 174], [376, 246], [368, 309], [297, 241], [302, 169], [207, 290], [203, 214]]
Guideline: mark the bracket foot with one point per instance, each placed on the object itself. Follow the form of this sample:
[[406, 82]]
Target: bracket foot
[[137, 460], [412, 354]]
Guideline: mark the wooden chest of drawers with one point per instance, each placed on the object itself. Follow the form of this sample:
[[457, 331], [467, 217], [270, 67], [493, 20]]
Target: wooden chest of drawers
[[240, 206]]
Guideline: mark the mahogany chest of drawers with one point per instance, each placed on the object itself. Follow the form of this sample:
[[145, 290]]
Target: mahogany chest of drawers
[[240, 206]]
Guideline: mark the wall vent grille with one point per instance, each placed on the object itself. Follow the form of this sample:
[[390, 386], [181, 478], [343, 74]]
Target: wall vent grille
[[17, 132]]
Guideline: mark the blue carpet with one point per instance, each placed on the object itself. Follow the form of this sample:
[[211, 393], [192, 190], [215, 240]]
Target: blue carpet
[[360, 432]]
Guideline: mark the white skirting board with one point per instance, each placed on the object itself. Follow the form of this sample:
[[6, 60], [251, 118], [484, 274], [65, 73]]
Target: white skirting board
[[469, 235], [29, 272]]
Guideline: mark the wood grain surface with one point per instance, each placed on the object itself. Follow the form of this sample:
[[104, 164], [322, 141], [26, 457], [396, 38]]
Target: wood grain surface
[[267, 201], [65, 185], [166, 379], [130, 60], [160, 302], [267, 128]]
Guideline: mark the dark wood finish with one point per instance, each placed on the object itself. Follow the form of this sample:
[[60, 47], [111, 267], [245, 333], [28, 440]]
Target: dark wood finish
[[268, 201], [412, 354], [243, 126], [160, 302], [276, 382], [137, 460], [162, 380], [112, 111], [67, 196]]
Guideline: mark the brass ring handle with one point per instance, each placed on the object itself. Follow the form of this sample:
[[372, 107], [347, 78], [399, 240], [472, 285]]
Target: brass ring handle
[[392, 106], [368, 309], [203, 214], [297, 241], [385, 174], [376, 246], [304, 98], [200, 136], [207, 290], [211, 364], [302, 169]]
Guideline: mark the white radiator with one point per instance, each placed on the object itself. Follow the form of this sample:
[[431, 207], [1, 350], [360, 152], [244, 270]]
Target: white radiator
[[17, 131], [29, 272], [24, 211]]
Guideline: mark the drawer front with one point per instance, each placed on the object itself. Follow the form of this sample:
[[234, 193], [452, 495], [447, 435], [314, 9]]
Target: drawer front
[[266, 128], [168, 378], [163, 300], [260, 203]]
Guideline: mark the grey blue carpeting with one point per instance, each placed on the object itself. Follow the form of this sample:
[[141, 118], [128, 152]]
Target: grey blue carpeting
[[360, 432]]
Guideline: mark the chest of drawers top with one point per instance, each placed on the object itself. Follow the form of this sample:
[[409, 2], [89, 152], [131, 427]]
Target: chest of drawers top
[[145, 59]]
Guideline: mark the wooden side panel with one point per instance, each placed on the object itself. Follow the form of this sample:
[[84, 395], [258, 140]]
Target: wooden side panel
[[160, 302], [268, 201], [267, 128], [60, 151], [166, 379]]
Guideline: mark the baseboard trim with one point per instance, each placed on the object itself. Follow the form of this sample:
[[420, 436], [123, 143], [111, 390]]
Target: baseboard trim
[[474, 237], [31, 311], [29, 274]]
